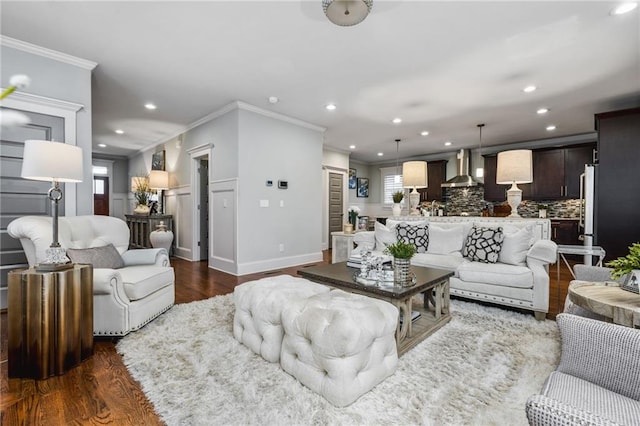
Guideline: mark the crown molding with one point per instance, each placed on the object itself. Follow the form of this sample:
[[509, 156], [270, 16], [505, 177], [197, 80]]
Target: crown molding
[[18, 98], [47, 53], [252, 108]]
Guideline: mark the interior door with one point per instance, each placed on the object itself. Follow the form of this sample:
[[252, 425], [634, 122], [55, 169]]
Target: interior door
[[18, 196], [335, 203], [101, 195]]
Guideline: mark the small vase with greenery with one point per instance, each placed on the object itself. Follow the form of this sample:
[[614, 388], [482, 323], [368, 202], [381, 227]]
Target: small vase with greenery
[[626, 265], [400, 250], [402, 253], [141, 193], [397, 198]]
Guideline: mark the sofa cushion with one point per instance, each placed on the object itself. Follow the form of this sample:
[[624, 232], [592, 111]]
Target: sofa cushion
[[100, 257], [441, 261], [515, 246], [446, 240], [483, 244], [418, 235], [384, 236], [497, 274], [592, 398], [142, 280]]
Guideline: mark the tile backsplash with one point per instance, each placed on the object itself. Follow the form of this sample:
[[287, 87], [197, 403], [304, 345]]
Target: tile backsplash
[[471, 201]]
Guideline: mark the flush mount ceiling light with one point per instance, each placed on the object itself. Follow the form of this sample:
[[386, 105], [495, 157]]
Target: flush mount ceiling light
[[624, 8], [273, 99], [346, 12], [331, 107]]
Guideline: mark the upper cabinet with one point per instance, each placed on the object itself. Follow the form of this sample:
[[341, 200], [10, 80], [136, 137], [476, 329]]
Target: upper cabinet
[[556, 174], [436, 175]]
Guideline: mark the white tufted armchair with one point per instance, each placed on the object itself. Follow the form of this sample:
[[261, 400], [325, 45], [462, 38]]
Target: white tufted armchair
[[124, 299]]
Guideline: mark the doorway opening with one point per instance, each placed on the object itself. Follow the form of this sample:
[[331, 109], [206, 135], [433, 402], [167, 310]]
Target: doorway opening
[[203, 172], [101, 195]]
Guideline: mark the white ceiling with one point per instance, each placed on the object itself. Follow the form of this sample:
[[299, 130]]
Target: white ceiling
[[440, 66]]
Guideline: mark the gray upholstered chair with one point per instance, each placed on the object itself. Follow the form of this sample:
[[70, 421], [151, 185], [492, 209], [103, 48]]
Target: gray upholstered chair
[[598, 379]]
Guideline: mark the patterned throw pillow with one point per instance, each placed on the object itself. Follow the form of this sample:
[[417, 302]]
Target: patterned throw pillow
[[418, 235], [483, 244]]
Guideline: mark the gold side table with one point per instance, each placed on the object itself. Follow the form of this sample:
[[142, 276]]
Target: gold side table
[[50, 321]]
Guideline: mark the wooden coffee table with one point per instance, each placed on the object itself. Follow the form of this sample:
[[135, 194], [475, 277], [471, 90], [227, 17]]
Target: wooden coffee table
[[617, 305], [434, 312]]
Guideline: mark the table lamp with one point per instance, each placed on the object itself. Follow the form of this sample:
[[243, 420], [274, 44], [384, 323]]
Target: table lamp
[[55, 162], [414, 175], [159, 180], [514, 167]]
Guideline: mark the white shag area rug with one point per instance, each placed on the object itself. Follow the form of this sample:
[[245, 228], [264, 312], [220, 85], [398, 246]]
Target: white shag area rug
[[479, 369]]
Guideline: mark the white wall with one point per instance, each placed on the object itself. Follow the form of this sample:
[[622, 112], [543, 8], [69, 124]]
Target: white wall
[[288, 231], [58, 80]]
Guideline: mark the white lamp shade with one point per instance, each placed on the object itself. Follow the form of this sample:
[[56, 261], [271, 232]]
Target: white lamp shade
[[414, 174], [49, 161], [159, 179], [514, 167]]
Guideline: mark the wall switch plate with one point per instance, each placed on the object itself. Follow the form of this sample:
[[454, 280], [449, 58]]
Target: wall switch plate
[[281, 247], [264, 203], [281, 203]]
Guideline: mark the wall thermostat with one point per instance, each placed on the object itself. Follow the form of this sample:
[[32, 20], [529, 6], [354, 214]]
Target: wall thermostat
[[283, 184], [269, 183]]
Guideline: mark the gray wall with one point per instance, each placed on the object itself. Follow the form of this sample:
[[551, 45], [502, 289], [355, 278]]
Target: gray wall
[[119, 181], [62, 81]]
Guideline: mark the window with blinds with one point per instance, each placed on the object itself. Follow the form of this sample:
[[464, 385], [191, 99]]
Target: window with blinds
[[391, 182]]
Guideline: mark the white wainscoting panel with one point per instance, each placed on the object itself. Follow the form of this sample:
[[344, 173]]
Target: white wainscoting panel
[[223, 204], [119, 205], [178, 203]]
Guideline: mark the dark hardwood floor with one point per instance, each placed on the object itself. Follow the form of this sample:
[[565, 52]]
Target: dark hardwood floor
[[101, 391]]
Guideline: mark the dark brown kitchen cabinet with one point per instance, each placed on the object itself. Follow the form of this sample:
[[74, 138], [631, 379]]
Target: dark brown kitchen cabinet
[[565, 232], [556, 172], [495, 192], [617, 196], [436, 174]]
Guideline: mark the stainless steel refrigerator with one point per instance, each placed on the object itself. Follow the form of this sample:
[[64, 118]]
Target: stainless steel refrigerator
[[587, 207]]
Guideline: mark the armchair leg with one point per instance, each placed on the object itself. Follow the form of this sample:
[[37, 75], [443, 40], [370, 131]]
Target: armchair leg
[[540, 316]]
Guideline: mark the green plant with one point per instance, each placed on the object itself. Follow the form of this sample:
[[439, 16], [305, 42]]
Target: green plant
[[400, 250], [141, 190], [624, 265], [397, 196]]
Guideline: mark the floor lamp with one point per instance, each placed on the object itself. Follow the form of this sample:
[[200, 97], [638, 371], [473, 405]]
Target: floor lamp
[[159, 180], [514, 167], [414, 175], [53, 162]]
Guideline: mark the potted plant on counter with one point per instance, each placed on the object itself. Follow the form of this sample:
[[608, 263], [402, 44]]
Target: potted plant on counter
[[397, 199], [402, 253], [629, 265]]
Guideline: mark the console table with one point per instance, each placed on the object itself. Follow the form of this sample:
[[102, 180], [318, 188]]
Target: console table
[[50, 321], [140, 226]]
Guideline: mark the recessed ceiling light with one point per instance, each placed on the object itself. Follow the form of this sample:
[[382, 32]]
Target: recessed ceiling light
[[542, 111], [380, 154], [149, 105], [424, 133], [551, 128], [529, 89], [273, 99], [331, 107], [447, 143], [352, 147], [101, 145], [119, 131], [397, 120], [624, 8]]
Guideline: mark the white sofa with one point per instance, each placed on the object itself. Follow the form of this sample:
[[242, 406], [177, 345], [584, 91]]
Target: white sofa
[[519, 278], [124, 299]]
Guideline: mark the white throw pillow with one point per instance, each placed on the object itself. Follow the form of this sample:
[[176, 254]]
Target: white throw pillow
[[446, 240], [515, 246], [384, 236]]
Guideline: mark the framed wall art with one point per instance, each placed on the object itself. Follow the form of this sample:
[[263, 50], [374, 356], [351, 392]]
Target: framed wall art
[[363, 187], [352, 178], [157, 161]]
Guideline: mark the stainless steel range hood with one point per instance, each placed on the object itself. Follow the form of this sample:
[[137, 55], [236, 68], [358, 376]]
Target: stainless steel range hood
[[463, 178]]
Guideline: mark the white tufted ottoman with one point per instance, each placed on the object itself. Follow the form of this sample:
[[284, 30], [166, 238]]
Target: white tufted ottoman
[[259, 304], [339, 344]]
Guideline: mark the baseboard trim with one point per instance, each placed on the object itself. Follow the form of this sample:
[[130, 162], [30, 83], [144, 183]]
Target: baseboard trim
[[282, 262]]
